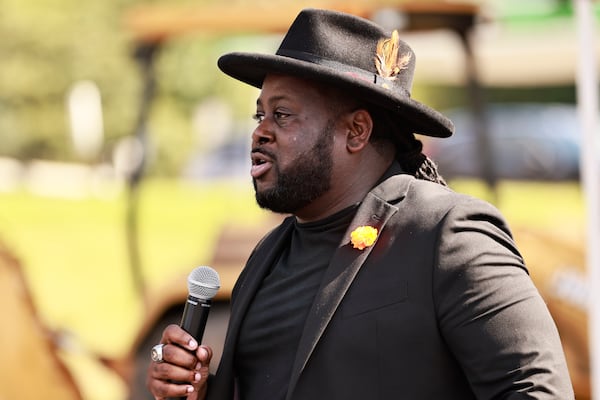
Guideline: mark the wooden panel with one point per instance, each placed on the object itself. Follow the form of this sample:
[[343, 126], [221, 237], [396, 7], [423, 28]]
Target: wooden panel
[[30, 366]]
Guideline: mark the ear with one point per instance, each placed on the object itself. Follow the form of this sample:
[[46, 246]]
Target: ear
[[360, 127]]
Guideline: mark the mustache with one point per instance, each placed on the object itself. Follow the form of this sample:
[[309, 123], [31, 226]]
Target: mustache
[[264, 152]]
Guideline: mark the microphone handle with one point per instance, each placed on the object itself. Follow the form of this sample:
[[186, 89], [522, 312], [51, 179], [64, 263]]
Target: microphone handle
[[195, 314], [193, 320]]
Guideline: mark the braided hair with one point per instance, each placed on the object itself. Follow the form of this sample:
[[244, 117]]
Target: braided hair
[[409, 150], [388, 129]]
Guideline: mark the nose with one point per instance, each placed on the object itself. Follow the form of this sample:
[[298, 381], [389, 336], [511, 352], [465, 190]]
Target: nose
[[262, 133]]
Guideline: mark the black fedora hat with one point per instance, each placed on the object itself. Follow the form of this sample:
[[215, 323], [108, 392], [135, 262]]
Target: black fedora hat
[[348, 52]]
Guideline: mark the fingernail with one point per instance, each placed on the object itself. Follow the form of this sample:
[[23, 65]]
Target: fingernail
[[192, 343], [197, 377], [190, 389], [203, 351]]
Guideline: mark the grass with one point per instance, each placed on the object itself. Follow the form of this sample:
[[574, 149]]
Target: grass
[[75, 257], [75, 250]]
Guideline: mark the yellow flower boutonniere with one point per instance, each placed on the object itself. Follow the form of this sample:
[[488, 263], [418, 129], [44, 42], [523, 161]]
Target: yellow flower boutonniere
[[363, 237]]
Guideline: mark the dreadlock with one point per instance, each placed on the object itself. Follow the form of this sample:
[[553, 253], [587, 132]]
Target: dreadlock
[[388, 129], [409, 149]]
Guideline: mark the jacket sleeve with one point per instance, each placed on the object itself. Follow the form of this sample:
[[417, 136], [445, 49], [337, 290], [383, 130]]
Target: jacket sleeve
[[490, 313]]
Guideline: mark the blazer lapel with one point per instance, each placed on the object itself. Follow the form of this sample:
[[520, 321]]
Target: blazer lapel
[[375, 210]]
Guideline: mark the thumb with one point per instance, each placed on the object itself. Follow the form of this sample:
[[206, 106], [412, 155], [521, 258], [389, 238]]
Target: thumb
[[204, 354], [193, 396]]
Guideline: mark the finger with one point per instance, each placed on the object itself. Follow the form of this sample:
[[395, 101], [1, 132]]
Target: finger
[[204, 354], [175, 334], [194, 396], [163, 390], [200, 387], [174, 354], [167, 380]]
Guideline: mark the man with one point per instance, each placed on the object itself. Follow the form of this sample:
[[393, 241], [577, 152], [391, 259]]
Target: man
[[384, 283]]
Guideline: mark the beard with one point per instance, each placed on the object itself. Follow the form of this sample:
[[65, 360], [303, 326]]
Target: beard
[[308, 178]]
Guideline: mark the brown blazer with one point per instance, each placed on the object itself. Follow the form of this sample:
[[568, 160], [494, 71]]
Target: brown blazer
[[441, 307]]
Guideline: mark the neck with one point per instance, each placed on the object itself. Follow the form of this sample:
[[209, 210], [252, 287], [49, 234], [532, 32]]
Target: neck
[[350, 187]]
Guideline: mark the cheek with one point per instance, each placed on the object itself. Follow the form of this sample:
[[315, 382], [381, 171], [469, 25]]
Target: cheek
[[295, 145], [343, 160], [340, 147], [289, 152]]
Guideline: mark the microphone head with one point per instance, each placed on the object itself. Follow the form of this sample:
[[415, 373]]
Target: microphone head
[[203, 283]]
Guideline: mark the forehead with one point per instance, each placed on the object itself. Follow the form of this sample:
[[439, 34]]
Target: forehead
[[292, 88]]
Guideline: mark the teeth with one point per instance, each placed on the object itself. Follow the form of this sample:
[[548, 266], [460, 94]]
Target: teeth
[[258, 159]]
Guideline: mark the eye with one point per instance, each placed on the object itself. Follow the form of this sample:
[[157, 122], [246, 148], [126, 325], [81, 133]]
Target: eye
[[278, 116], [281, 115], [258, 117]]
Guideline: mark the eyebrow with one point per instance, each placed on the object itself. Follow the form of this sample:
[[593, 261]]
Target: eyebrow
[[272, 99]]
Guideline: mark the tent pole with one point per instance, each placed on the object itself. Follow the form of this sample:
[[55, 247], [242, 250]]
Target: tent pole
[[587, 103]]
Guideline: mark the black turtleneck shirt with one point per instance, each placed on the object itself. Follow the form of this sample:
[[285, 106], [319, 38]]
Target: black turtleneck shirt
[[274, 322]]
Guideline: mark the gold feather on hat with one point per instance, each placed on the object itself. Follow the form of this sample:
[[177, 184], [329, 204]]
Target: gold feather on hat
[[387, 62]]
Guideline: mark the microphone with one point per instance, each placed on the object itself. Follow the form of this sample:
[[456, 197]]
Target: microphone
[[203, 283]]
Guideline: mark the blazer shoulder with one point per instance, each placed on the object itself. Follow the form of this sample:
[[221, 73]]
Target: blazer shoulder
[[428, 203]]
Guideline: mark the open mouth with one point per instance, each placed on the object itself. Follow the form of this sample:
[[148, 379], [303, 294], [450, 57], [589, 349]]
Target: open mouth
[[260, 164]]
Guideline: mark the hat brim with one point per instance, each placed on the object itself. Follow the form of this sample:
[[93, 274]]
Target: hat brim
[[251, 68]]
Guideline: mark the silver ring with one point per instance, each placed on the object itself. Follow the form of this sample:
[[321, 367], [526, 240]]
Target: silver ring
[[157, 353]]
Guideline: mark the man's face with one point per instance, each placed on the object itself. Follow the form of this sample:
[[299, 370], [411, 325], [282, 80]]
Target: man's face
[[292, 144]]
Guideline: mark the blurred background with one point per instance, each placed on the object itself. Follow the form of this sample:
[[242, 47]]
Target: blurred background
[[124, 163]]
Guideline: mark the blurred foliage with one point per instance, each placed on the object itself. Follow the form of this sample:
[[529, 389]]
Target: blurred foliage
[[520, 12], [49, 45]]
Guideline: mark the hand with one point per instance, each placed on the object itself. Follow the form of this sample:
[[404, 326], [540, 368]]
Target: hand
[[184, 370]]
